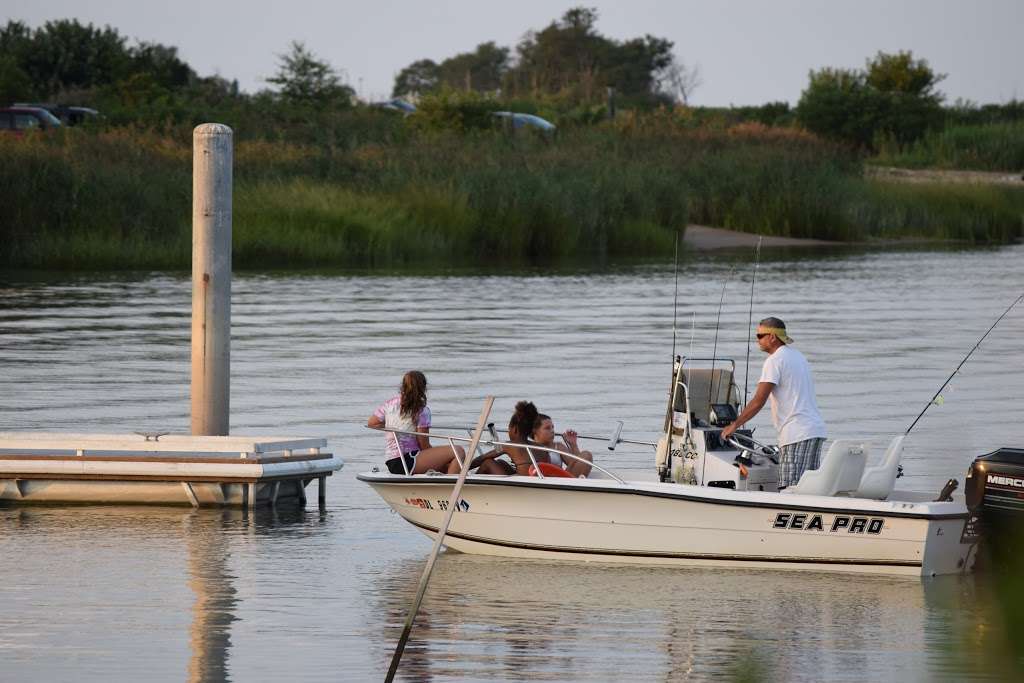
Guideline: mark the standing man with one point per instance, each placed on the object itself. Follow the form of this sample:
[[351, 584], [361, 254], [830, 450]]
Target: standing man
[[786, 380]]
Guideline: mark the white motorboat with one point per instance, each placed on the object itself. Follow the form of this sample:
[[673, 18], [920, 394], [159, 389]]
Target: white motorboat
[[715, 503]]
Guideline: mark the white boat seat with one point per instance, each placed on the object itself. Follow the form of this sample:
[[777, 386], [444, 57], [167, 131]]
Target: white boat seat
[[840, 471], [879, 480]]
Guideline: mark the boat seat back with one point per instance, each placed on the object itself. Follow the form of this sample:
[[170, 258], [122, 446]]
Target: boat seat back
[[879, 480], [840, 470], [705, 386]]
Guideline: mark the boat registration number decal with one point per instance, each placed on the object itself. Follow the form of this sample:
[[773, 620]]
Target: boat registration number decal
[[442, 504], [805, 522]]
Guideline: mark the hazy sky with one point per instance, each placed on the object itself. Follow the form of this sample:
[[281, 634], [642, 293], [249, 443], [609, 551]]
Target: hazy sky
[[749, 51]]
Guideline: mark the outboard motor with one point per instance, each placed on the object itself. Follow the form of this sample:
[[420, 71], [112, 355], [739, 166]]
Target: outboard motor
[[995, 499]]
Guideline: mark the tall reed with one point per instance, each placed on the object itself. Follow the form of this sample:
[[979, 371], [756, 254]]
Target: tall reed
[[121, 197], [978, 147]]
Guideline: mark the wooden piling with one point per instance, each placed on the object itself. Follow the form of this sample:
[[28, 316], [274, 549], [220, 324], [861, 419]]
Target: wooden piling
[[212, 160]]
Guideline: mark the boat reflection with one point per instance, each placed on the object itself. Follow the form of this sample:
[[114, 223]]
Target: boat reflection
[[488, 618]]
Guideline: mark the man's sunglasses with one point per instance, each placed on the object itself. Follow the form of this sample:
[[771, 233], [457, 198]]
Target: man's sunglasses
[[762, 335]]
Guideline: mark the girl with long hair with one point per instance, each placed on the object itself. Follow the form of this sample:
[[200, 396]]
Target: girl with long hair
[[408, 412]]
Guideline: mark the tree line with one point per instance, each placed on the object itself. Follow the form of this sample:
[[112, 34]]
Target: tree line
[[565, 71], [66, 58]]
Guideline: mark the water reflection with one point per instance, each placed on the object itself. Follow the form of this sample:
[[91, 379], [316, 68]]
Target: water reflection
[[128, 580], [975, 625], [490, 617], [215, 594], [104, 353], [208, 536]]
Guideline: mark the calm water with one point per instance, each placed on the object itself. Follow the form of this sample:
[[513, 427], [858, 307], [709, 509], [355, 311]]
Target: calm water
[[99, 593]]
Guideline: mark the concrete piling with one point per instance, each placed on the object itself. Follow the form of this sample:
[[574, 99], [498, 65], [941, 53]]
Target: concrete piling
[[212, 161]]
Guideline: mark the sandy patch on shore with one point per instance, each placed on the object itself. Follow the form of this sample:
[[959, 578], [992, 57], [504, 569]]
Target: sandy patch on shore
[[702, 237]]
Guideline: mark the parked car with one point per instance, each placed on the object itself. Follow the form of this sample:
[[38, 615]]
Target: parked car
[[69, 115], [396, 104], [17, 120], [518, 121]]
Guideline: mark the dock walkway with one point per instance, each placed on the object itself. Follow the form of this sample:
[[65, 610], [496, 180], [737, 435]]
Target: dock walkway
[[171, 469]]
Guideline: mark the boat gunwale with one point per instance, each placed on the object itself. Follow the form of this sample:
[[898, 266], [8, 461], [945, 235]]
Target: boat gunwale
[[630, 489]]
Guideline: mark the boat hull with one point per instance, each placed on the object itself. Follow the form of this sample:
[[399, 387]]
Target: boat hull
[[652, 523]]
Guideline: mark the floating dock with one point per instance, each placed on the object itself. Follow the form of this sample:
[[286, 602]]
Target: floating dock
[[164, 469]]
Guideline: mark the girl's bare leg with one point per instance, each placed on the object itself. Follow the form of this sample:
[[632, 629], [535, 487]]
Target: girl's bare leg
[[440, 458], [492, 466]]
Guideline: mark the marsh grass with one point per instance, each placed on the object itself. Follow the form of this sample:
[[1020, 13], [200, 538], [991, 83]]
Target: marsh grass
[[977, 147], [971, 213], [121, 197]]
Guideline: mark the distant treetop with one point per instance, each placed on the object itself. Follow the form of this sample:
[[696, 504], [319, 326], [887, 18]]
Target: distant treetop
[[568, 59]]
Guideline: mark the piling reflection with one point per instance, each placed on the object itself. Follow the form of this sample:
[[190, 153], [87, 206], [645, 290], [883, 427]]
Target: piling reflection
[[215, 594], [207, 535]]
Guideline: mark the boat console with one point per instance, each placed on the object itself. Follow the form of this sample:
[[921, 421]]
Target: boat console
[[703, 400]]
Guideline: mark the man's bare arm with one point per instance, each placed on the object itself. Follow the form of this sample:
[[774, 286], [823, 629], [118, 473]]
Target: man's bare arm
[[764, 389]]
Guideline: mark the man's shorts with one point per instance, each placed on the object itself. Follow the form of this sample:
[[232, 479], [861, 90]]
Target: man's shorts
[[798, 457]]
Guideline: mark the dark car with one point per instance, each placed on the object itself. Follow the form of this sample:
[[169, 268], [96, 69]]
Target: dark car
[[68, 114], [17, 120]]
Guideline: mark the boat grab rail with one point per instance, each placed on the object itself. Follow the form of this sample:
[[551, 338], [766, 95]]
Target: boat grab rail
[[613, 440], [451, 438]]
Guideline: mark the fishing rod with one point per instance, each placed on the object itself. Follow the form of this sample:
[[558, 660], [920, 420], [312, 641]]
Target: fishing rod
[[750, 319], [675, 299], [675, 309], [714, 350], [693, 335], [969, 353]]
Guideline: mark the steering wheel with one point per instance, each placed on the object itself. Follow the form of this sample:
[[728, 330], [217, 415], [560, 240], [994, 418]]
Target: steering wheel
[[750, 445]]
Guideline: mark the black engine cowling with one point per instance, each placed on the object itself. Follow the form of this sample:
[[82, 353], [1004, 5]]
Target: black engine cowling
[[995, 484], [995, 498]]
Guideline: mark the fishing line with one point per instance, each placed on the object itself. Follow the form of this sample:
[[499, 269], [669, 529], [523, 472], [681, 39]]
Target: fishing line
[[952, 374], [750, 319]]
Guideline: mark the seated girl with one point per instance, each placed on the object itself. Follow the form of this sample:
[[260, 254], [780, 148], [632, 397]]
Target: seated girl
[[544, 435], [408, 412], [519, 429]]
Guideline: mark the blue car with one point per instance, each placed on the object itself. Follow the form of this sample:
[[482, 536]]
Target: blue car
[[396, 104], [528, 120]]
